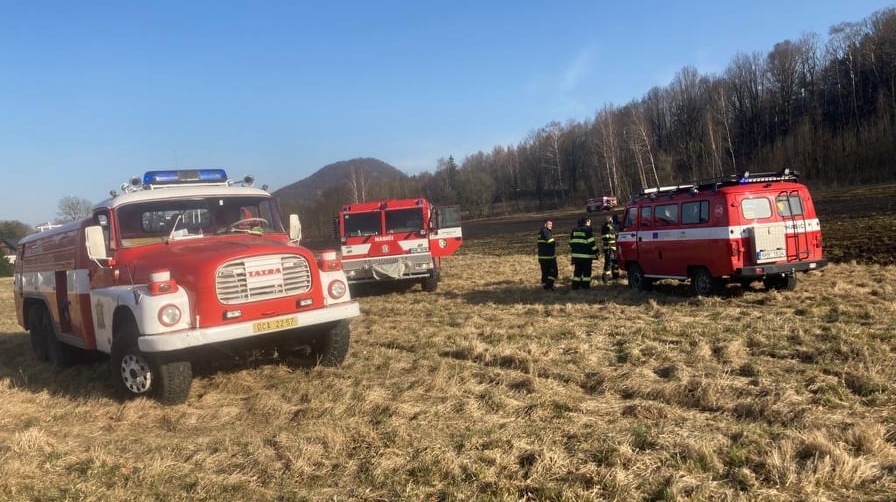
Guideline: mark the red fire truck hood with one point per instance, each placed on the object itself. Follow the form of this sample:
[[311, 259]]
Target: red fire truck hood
[[189, 260]]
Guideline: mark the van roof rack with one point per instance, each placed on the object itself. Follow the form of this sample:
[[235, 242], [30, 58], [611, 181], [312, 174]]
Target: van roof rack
[[720, 181]]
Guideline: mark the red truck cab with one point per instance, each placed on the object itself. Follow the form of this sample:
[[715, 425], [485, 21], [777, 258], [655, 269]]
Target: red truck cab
[[397, 240]]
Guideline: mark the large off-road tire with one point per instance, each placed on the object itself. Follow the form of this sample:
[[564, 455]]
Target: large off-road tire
[[703, 283], [785, 282], [138, 374], [431, 283], [328, 348], [38, 336], [58, 353], [636, 279]]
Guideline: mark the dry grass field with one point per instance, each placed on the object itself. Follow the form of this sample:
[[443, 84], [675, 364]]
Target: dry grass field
[[493, 389]]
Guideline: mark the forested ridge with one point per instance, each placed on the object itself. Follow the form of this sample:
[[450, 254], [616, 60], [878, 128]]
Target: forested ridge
[[823, 106]]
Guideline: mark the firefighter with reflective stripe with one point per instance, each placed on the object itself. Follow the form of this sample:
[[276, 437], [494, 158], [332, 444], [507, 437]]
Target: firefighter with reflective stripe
[[547, 254], [608, 241], [583, 250]]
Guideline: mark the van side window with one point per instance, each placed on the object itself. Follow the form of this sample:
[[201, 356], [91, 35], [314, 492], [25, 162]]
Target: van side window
[[789, 205], [755, 208], [630, 215], [696, 212], [646, 216], [666, 215]]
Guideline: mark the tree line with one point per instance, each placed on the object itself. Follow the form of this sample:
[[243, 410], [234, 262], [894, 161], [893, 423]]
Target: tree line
[[824, 108]]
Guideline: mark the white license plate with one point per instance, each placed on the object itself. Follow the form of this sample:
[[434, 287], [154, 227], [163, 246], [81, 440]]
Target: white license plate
[[771, 254]]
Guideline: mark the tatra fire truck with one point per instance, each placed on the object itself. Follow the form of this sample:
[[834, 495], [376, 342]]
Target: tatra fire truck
[[182, 266], [740, 228], [397, 240]]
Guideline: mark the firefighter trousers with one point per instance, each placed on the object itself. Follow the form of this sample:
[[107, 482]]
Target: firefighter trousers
[[611, 266], [548, 272], [581, 273]]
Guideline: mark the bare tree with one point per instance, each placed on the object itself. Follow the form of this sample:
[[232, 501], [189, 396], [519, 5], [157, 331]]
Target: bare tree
[[783, 64], [609, 144], [72, 209], [639, 140], [357, 185]]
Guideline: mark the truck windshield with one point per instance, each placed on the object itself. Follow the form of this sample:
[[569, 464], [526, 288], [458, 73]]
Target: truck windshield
[[157, 221], [404, 220], [362, 224]]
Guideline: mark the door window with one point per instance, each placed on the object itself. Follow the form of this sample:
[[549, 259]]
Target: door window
[[696, 212], [755, 208], [789, 205], [666, 215]]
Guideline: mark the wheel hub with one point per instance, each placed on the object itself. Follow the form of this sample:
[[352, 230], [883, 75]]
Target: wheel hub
[[136, 374]]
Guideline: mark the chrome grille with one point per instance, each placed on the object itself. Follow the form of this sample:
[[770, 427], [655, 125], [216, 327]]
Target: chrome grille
[[262, 278]]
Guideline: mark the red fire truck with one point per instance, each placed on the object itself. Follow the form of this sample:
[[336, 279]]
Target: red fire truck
[[397, 240], [181, 266], [742, 228]]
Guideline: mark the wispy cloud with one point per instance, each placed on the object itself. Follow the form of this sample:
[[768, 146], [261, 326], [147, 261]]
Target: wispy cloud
[[576, 70]]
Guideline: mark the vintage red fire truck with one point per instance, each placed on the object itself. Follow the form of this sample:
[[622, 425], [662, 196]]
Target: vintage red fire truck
[[182, 266], [397, 240], [743, 228]]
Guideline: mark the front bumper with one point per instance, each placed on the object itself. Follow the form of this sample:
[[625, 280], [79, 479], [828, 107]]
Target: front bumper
[[186, 339]]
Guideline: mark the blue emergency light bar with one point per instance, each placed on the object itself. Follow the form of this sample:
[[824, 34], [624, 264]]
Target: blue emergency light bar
[[175, 177]]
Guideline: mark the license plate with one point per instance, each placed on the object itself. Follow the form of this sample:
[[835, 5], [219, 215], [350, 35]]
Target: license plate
[[262, 326], [772, 254]]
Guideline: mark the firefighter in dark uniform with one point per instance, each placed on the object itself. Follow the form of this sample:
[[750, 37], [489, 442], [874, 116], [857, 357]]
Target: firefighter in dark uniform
[[547, 254], [608, 240], [583, 250]]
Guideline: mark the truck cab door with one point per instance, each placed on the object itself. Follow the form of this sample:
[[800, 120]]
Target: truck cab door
[[445, 233]]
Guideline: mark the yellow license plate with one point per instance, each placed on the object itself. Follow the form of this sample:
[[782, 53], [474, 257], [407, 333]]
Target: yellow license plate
[[262, 326]]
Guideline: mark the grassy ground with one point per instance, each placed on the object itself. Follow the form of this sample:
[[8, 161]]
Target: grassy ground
[[493, 389]]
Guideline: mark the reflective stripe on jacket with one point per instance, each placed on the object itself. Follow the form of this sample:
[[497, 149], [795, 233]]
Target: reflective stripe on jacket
[[582, 243]]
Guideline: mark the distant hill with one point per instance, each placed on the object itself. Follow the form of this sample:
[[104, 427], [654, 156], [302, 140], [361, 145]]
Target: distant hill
[[337, 174]]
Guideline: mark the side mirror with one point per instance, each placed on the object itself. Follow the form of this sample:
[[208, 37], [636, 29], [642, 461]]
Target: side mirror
[[295, 228], [96, 243]]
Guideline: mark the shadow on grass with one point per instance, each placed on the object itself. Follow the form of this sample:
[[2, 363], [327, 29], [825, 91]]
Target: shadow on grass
[[89, 376], [664, 293]]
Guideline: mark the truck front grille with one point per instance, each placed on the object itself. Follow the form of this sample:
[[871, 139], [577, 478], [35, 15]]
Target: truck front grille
[[262, 278]]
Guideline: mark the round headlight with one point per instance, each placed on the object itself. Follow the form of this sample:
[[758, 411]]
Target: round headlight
[[337, 289], [169, 315]]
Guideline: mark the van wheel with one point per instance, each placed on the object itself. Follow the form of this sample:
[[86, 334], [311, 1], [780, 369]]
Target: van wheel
[[326, 349], [38, 337], [785, 282], [703, 283], [636, 279], [137, 374]]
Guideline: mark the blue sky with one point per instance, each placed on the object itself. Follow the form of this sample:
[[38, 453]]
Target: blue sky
[[94, 92]]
